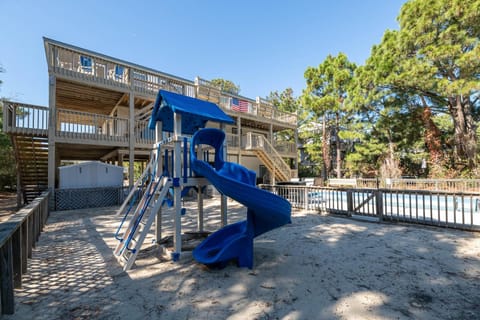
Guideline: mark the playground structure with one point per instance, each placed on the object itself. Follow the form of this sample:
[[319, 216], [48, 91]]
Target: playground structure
[[173, 170]]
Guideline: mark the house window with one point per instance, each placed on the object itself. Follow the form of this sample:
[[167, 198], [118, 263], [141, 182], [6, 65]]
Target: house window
[[119, 73], [139, 76], [86, 64]]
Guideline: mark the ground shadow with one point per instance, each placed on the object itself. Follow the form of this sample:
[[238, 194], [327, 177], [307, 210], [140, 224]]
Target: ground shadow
[[318, 267]]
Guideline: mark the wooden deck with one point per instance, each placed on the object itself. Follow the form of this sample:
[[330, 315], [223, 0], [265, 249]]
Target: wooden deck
[[83, 75]]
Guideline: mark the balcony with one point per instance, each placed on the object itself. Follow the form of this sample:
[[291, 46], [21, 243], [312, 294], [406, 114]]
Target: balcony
[[74, 126], [76, 64], [238, 106], [96, 129], [284, 148], [79, 64]]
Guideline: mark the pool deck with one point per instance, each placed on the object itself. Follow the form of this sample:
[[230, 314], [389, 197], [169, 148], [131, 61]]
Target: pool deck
[[318, 267]]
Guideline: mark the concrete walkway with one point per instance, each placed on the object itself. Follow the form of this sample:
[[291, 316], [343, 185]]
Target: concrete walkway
[[319, 267]]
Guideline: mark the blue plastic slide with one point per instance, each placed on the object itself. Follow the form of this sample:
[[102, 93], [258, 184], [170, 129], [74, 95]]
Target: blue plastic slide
[[265, 210]]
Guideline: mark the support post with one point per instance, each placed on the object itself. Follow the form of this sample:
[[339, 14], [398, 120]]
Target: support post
[[6, 279], [52, 124], [24, 230], [177, 191], [199, 196], [239, 137], [305, 197], [158, 226], [17, 258], [131, 140], [158, 152], [350, 202], [200, 209], [296, 151], [120, 160], [158, 155], [379, 203], [270, 133], [223, 198]]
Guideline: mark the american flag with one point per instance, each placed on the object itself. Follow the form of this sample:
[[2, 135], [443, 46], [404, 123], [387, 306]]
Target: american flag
[[238, 105]]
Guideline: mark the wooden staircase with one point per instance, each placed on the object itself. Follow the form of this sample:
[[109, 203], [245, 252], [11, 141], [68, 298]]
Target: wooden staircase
[[31, 153], [280, 175], [269, 156]]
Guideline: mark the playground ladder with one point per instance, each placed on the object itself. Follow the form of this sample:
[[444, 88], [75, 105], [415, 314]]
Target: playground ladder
[[131, 194], [141, 222]]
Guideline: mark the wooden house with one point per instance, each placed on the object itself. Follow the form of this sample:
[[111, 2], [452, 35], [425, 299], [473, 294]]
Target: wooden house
[[99, 107]]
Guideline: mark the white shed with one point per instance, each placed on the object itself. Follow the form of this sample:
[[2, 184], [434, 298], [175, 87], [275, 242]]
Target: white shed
[[91, 174]]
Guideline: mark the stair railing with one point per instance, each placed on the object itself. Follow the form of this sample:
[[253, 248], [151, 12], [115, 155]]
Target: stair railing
[[259, 142]]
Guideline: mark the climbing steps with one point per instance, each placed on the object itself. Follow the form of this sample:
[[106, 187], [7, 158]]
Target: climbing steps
[[140, 223]]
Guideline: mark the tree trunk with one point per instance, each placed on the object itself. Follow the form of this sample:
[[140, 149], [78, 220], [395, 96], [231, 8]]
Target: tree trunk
[[432, 137], [465, 131], [390, 167], [325, 149], [337, 144]]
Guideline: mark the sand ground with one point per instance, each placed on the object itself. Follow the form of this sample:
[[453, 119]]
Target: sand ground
[[318, 267], [8, 205]]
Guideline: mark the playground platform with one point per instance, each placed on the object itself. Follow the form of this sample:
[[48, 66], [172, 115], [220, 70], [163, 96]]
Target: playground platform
[[318, 267]]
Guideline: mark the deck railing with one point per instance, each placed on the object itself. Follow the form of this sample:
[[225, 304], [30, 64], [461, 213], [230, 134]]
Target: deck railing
[[438, 208], [21, 118], [453, 185], [18, 236], [78, 125], [232, 141], [285, 147], [77, 63], [143, 134], [259, 142], [89, 66]]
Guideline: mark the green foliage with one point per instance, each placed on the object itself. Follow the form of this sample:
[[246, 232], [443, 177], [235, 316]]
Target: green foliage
[[7, 159], [284, 101], [226, 85], [435, 56], [325, 97], [287, 102], [431, 63]]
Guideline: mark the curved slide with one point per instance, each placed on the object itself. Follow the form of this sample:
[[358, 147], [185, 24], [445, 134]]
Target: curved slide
[[265, 210]]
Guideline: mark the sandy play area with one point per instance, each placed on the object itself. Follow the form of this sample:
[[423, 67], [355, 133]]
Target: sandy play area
[[318, 267]]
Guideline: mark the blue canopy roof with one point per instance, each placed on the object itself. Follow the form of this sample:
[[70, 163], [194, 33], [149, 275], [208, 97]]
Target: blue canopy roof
[[195, 113]]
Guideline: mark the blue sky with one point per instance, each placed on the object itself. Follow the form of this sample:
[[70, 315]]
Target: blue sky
[[262, 46]]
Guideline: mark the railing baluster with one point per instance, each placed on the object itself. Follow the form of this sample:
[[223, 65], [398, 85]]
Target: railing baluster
[[392, 205]]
